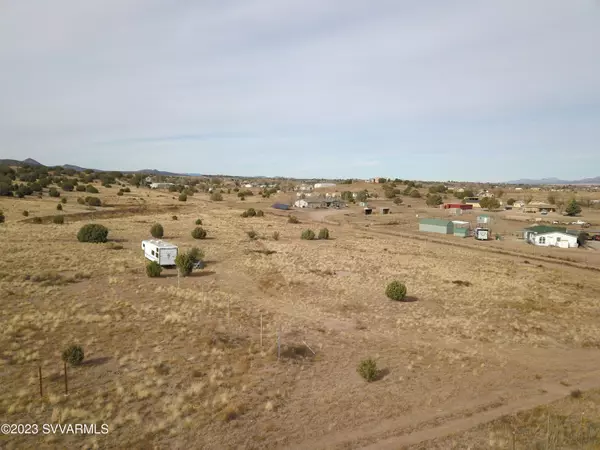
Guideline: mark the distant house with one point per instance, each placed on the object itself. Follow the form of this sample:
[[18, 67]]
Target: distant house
[[324, 185], [536, 207], [547, 236], [518, 204], [474, 201], [441, 226], [310, 203], [161, 185]]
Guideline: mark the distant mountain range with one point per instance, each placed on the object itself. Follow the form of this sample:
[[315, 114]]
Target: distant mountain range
[[595, 180], [33, 162]]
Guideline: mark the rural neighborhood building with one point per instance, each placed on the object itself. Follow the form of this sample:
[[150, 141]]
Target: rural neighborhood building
[[546, 236], [324, 185], [538, 207], [309, 203], [473, 201], [518, 204], [457, 205], [161, 185], [441, 226]]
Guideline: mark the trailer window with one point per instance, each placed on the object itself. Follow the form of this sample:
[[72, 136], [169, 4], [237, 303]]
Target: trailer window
[[152, 252]]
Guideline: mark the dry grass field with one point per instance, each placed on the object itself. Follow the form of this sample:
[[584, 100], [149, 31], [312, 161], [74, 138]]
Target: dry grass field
[[488, 353]]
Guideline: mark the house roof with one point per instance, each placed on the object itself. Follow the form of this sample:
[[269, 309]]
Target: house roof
[[540, 229], [430, 221]]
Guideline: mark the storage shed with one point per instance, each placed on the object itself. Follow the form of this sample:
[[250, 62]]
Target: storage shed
[[368, 211], [384, 210], [441, 226], [461, 228]]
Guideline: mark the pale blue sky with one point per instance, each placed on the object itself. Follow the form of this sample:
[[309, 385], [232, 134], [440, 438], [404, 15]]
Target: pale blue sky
[[468, 89]]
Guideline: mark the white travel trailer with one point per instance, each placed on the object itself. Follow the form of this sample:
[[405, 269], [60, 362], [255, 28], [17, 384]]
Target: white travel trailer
[[162, 252]]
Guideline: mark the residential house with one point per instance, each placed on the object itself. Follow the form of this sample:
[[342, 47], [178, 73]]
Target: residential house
[[161, 185], [324, 185], [548, 236], [310, 203], [537, 207], [518, 204]]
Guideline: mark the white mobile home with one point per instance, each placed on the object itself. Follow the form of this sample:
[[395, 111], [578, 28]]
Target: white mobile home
[[159, 251], [555, 239]]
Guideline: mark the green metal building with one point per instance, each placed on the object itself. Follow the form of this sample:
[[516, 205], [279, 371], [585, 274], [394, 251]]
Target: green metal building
[[441, 226]]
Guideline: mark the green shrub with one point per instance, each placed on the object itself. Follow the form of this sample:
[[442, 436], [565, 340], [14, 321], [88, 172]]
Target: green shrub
[[157, 231], [73, 355], [59, 220], [367, 369], [92, 232], [185, 261], [127, 189], [153, 269], [59, 207], [182, 198], [323, 233], [53, 192], [216, 197], [260, 213], [26, 213], [80, 188], [91, 189], [199, 233], [251, 212], [396, 291], [67, 187], [37, 220], [293, 219], [93, 201], [173, 217], [275, 235], [252, 234], [308, 235], [244, 214], [120, 193], [63, 200], [242, 198], [198, 222], [81, 201], [2, 218]]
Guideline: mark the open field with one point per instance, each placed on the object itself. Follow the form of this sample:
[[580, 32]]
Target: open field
[[493, 328]]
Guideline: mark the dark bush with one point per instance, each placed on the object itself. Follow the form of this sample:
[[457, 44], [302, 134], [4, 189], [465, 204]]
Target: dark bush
[[91, 189], [81, 201], [251, 212], [396, 291], [26, 213], [120, 193], [157, 231], [37, 220], [173, 217], [323, 233], [182, 198], [59, 220], [252, 234], [93, 201], [185, 261], [63, 200], [36, 187], [244, 214], [216, 197], [367, 369], [53, 192], [198, 221], [73, 355], [2, 218], [153, 269], [127, 189], [293, 219], [80, 188], [92, 232], [275, 235], [199, 233], [59, 207], [308, 235], [260, 213], [67, 187]]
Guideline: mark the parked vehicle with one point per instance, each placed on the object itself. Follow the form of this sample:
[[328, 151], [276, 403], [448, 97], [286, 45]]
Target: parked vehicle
[[159, 251]]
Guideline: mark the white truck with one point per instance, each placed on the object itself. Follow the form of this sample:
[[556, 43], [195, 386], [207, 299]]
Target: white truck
[[159, 251]]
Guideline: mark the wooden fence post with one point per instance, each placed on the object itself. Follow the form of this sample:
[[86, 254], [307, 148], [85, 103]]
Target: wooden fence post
[[40, 375], [66, 382]]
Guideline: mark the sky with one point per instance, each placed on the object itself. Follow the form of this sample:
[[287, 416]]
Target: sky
[[434, 90]]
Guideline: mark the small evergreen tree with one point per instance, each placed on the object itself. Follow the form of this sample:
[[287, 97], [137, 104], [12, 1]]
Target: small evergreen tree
[[73, 355], [396, 291], [572, 208], [199, 233], [157, 231], [153, 269]]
